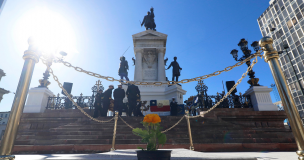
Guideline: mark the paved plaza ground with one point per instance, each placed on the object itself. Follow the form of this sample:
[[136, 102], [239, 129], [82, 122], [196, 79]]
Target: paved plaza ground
[[177, 154]]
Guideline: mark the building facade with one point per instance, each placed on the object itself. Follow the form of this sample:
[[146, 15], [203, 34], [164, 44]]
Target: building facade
[[283, 21], [3, 122]]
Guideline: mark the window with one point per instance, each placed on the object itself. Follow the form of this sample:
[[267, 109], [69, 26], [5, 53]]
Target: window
[[301, 67], [285, 14], [5, 115], [294, 20], [280, 17], [289, 9], [290, 40], [299, 16], [294, 6], [295, 53], [299, 2], [300, 49], [1, 115], [301, 6], [277, 21], [276, 7], [295, 37], [289, 24], [3, 122], [280, 2]]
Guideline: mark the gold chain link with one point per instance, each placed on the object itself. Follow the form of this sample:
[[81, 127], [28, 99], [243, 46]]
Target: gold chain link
[[235, 85], [69, 96], [229, 68], [162, 131], [173, 125], [126, 123]]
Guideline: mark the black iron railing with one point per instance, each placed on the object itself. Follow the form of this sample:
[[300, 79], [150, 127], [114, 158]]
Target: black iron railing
[[65, 103], [231, 101]]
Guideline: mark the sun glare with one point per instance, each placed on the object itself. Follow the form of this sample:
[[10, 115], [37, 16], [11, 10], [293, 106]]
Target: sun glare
[[52, 33]]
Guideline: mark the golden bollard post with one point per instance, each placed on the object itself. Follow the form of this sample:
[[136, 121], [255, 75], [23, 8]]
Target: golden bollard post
[[189, 130], [31, 57], [271, 57], [114, 132]]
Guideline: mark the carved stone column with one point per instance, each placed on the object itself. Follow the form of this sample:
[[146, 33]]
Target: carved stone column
[[161, 65], [138, 76]]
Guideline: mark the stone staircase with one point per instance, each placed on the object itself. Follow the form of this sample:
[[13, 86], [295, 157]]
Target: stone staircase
[[69, 131]]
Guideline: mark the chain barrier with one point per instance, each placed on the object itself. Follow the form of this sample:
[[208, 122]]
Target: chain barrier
[[69, 96], [173, 125], [229, 68], [126, 123], [228, 93], [162, 131]]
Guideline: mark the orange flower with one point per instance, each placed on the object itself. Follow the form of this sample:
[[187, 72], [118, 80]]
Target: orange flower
[[152, 118]]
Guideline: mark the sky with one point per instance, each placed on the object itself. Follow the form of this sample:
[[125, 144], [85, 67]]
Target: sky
[[95, 33]]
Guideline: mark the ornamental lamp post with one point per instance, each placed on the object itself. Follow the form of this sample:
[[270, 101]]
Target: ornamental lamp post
[[243, 44]]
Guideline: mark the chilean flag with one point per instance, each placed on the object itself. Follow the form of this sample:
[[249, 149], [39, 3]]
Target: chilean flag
[[159, 105]]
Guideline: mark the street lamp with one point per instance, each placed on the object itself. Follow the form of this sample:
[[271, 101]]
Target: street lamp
[[243, 44]]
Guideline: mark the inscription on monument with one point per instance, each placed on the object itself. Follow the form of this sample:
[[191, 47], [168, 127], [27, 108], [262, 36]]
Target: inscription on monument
[[150, 74]]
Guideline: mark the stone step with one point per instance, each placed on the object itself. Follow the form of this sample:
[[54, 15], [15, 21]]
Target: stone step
[[138, 141], [132, 136]]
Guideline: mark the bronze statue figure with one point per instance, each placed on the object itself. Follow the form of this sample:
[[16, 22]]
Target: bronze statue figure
[[166, 61], [133, 59], [176, 69], [149, 20], [123, 68]]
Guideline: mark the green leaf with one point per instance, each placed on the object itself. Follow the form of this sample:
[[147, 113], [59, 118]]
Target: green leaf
[[161, 138], [140, 148], [140, 132]]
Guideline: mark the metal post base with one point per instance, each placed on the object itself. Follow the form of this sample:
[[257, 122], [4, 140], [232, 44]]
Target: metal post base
[[191, 148], [7, 157], [301, 155], [112, 149]]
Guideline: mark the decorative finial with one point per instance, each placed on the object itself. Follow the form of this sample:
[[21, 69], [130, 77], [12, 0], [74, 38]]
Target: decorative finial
[[44, 82], [81, 95]]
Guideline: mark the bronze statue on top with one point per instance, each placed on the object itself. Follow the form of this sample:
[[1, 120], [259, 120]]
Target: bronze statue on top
[[176, 69], [149, 20]]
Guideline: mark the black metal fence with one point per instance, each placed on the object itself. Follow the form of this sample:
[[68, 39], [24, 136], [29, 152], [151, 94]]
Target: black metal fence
[[65, 103], [231, 101], [236, 101]]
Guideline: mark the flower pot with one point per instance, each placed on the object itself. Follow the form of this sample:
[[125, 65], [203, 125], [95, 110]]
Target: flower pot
[[154, 155]]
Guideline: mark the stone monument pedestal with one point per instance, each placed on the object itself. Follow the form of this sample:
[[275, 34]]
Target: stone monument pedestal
[[260, 98], [149, 50], [37, 100]]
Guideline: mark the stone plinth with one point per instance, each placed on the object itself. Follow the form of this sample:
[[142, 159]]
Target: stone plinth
[[163, 92], [149, 50], [37, 100], [260, 98]]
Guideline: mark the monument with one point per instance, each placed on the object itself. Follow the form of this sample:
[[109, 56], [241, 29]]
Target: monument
[[149, 50]]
